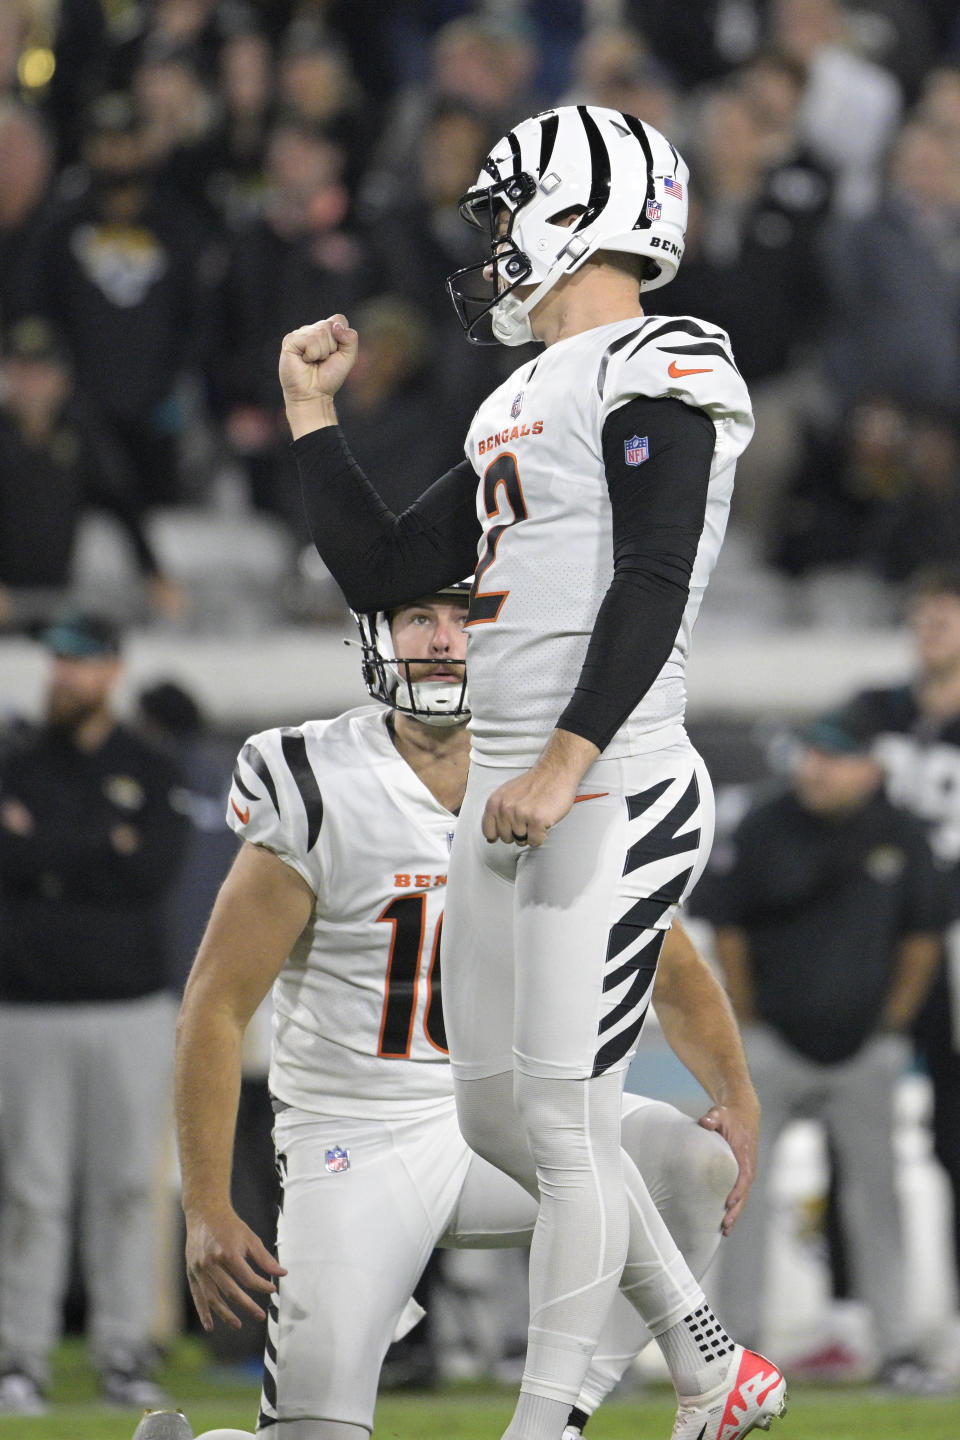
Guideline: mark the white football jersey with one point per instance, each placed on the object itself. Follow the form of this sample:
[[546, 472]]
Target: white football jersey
[[536, 444], [357, 1024]]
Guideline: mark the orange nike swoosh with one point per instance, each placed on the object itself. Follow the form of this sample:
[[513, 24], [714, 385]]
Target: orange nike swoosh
[[597, 796], [674, 371], [242, 815]]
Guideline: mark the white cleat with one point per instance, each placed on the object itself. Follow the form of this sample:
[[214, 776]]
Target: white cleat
[[164, 1425], [753, 1394]]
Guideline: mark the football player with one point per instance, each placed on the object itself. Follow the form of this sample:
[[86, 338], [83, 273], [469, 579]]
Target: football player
[[591, 505], [336, 899]]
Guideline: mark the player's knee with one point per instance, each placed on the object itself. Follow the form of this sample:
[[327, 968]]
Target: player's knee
[[713, 1163]]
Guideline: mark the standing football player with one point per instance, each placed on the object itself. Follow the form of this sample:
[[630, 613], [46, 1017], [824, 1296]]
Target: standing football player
[[337, 896], [591, 506]]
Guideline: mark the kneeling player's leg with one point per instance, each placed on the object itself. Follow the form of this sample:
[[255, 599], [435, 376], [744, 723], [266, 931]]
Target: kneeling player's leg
[[363, 1205]]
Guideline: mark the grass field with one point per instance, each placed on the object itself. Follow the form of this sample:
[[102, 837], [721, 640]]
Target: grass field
[[467, 1412]]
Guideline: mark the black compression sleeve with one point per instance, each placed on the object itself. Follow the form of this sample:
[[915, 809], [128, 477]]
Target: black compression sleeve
[[380, 559], [658, 513]]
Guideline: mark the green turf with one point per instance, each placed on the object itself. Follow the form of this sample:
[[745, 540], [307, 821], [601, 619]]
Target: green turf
[[465, 1412]]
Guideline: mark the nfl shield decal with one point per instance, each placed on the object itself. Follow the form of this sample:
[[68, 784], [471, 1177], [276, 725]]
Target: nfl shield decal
[[654, 209], [517, 405], [636, 450], [337, 1160]]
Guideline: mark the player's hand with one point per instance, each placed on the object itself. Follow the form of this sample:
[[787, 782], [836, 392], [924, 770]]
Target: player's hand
[[315, 360], [221, 1254], [523, 810], [739, 1124]]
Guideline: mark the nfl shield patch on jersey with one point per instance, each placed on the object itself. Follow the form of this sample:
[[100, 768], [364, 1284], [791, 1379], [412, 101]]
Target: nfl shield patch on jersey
[[337, 1160], [636, 450]]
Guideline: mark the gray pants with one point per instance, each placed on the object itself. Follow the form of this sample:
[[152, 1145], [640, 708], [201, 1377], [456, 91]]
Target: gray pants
[[854, 1101], [85, 1092]]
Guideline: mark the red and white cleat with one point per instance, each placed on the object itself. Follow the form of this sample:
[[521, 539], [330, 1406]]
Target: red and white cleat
[[753, 1394]]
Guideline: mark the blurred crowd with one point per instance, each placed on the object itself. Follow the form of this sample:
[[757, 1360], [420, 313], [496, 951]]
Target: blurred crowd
[[185, 180]]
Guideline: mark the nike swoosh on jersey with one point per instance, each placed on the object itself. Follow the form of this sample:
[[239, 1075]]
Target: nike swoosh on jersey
[[242, 815], [674, 371]]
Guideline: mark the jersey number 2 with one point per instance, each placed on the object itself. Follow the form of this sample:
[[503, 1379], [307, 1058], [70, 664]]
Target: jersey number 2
[[408, 916], [500, 475]]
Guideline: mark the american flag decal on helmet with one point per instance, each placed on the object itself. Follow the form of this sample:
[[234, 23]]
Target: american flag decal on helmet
[[636, 449]]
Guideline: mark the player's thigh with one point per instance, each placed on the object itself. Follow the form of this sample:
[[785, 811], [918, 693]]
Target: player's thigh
[[363, 1206], [477, 943], [593, 904]]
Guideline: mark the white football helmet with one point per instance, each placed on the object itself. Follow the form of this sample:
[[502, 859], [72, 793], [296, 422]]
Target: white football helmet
[[434, 702], [623, 180]]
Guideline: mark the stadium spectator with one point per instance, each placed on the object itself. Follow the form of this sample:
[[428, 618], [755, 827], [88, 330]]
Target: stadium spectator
[[613, 66], [892, 328], [89, 844], [235, 162], [123, 270], [751, 264], [851, 106], [177, 111], [701, 41], [57, 464], [296, 257], [474, 60], [316, 84], [826, 912], [422, 240], [26, 177]]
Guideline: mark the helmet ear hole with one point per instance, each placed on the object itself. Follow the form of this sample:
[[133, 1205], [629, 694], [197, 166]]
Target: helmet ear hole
[[564, 217]]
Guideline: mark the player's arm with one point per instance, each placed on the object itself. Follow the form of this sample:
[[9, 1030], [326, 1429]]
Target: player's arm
[[378, 559], [657, 511], [700, 1027], [262, 907]]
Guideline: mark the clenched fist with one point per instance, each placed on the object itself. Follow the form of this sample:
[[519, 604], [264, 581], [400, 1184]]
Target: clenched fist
[[314, 362]]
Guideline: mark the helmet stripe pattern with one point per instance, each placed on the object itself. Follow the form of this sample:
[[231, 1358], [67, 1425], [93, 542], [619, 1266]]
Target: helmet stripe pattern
[[599, 169], [549, 125], [515, 150], [644, 219]]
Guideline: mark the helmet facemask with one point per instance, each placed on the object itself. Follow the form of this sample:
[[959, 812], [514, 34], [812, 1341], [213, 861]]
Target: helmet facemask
[[386, 674]]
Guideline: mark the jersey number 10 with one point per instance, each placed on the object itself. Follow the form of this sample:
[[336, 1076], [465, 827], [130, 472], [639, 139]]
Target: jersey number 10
[[408, 915]]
